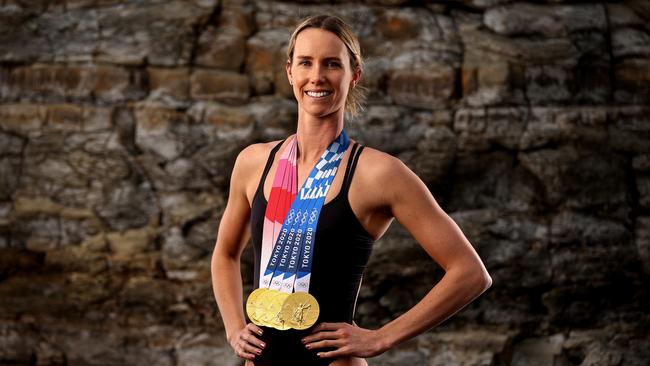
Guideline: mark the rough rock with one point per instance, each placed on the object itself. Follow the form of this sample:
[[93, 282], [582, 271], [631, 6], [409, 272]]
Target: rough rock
[[170, 86], [56, 83], [630, 42], [546, 350], [120, 123], [573, 178], [155, 127], [416, 80], [642, 240], [548, 126], [507, 243], [221, 48], [632, 77], [482, 129], [489, 181], [482, 45], [128, 205], [492, 83], [265, 60], [226, 86], [469, 347], [128, 243], [161, 32], [549, 21], [203, 349], [179, 257]]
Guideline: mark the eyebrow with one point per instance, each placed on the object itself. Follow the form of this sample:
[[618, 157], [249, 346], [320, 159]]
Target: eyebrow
[[326, 58]]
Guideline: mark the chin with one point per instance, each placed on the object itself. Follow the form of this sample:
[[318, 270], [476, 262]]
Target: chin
[[320, 112]]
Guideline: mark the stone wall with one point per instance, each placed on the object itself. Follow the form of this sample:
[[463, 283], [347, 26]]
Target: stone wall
[[120, 121]]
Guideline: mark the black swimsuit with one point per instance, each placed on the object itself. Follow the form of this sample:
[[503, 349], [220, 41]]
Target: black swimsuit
[[341, 251]]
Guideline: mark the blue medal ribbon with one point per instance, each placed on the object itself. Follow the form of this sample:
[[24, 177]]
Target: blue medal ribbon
[[292, 255]]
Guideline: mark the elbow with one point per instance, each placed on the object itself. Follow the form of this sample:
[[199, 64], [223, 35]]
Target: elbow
[[477, 280], [474, 279], [216, 261], [222, 259], [487, 281], [483, 280]]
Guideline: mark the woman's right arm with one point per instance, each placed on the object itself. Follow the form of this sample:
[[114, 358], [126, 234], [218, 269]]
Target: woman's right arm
[[233, 234]]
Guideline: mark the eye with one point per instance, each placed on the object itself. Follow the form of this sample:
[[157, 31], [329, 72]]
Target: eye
[[333, 64], [304, 63]]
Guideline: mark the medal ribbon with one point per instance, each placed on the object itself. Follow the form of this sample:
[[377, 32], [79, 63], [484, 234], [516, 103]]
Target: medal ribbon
[[290, 260], [283, 193]]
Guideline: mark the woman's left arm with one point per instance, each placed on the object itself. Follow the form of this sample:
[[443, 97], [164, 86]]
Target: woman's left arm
[[465, 276]]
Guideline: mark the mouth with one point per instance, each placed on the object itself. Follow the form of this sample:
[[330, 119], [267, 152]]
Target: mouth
[[318, 94]]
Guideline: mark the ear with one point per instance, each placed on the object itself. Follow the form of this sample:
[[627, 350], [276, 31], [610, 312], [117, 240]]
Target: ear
[[287, 66], [356, 76]]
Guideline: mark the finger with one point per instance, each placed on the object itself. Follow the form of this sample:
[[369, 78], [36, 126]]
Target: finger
[[327, 326], [319, 336], [251, 339], [326, 343], [250, 348], [340, 352], [242, 353], [254, 328]]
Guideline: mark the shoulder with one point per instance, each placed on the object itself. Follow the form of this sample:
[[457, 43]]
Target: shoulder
[[254, 152], [389, 179], [249, 164], [253, 155], [378, 165], [383, 178]]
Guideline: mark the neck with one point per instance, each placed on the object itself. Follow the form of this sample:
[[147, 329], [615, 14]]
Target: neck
[[315, 135]]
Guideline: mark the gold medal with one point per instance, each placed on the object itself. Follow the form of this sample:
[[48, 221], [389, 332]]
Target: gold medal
[[274, 314], [263, 302], [271, 303], [300, 310], [253, 306]]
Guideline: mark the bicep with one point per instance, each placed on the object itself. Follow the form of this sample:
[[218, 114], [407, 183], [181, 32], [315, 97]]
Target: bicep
[[415, 208], [234, 228]]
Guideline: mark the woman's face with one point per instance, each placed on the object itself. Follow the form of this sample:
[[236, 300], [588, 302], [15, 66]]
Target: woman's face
[[320, 72]]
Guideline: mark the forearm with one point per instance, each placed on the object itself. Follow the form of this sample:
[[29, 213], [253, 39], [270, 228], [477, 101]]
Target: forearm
[[228, 292], [454, 291]]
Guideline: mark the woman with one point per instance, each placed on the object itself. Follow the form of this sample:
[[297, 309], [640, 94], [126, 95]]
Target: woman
[[324, 66]]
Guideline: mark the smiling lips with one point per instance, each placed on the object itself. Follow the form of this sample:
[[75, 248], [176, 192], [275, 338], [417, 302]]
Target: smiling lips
[[318, 94]]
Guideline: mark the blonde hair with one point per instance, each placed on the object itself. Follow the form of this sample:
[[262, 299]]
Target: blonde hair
[[356, 95]]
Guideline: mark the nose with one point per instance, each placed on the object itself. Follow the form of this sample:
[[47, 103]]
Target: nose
[[316, 76]]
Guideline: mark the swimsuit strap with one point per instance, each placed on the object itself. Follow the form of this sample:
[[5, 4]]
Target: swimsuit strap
[[269, 162], [352, 164]]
